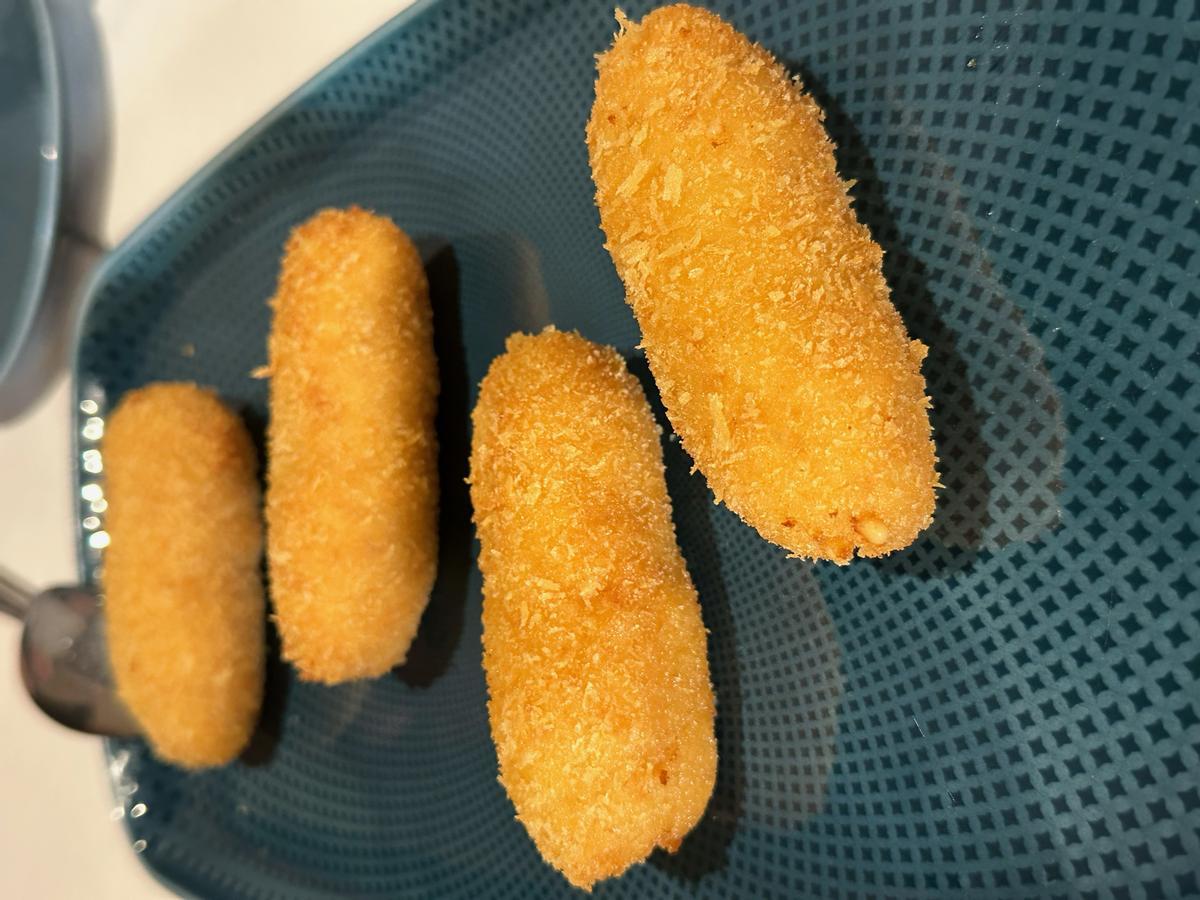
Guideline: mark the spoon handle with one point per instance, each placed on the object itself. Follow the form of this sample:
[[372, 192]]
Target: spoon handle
[[14, 597]]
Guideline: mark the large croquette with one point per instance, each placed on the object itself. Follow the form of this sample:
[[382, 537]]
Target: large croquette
[[599, 696], [765, 317]]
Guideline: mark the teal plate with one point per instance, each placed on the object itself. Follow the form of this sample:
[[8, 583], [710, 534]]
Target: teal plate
[[1009, 708]]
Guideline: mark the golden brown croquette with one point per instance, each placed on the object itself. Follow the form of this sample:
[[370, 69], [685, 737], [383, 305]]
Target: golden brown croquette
[[595, 654], [183, 595], [765, 317], [352, 486]]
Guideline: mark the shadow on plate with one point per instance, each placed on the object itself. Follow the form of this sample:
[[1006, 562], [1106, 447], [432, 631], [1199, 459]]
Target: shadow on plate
[[996, 414], [269, 731], [441, 626]]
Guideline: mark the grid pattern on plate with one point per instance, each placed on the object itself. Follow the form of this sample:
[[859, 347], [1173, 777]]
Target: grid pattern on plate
[[1011, 708]]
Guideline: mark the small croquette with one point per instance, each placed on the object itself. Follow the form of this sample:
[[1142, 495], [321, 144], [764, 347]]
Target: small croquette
[[183, 594], [352, 486]]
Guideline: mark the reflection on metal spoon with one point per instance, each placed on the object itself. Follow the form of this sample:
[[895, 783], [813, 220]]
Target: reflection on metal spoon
[[64, 658]]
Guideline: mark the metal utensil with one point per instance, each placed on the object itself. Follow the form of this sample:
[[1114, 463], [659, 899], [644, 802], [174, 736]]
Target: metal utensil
[[64, 657]]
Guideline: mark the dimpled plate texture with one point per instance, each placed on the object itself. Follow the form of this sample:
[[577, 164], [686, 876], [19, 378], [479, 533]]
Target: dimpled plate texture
[[1009, 708]]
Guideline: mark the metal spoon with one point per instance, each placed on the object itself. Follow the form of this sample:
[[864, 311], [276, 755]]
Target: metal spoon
[[64, 657]]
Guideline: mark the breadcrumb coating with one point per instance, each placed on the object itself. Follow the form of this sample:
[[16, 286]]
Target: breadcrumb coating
[[352, 488], [595, 653], [183, 590], [768, 325]]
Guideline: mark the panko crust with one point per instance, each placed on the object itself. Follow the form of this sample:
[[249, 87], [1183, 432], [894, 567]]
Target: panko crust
[[183, 595], [352, 489], [768, 325], [600, 702]]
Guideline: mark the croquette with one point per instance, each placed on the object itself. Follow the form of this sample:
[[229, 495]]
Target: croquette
[[765, 317], [352, 485], [600, 703], [183, 594]]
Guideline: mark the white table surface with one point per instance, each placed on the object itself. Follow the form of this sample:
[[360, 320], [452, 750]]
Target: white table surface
[[185, 79]]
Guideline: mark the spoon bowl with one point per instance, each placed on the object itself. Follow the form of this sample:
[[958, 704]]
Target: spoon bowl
[[64, 658]]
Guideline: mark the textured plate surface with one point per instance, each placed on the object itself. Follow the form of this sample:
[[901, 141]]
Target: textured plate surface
[[1010, 708]]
